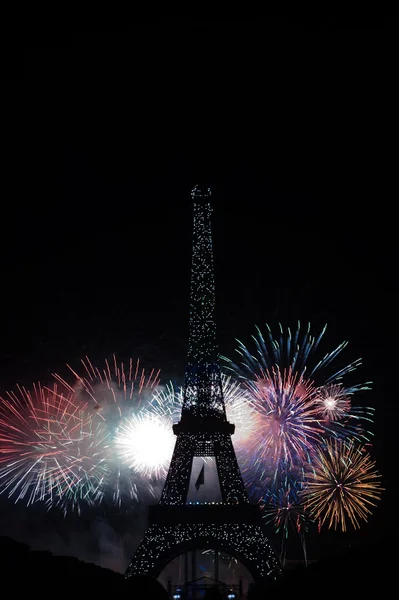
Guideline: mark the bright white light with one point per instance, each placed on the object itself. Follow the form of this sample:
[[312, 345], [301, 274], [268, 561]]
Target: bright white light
[[333, 402], [145, 443], [330, 403]]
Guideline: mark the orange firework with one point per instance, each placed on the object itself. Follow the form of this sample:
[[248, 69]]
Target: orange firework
[[342, 484]]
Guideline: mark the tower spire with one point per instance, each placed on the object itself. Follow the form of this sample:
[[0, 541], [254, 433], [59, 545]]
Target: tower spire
[[203, 396]]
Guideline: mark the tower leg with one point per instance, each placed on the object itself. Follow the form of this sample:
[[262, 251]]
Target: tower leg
[[186, 569], [193, 565]]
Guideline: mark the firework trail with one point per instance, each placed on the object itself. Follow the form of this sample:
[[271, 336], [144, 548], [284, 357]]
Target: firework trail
[[283, 507], [117, 396], [50, 449], [341, 484], [229, 560]]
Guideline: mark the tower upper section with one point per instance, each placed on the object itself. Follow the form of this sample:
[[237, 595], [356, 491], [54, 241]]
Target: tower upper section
[[201, 193], [203, 395]]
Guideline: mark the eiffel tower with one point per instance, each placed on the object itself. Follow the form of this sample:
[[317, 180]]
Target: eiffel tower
[[178, 526]]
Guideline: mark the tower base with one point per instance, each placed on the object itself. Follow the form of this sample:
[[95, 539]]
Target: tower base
[[246, 542]]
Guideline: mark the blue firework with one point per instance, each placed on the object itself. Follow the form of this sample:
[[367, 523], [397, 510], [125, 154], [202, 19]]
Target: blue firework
[[290, 350]]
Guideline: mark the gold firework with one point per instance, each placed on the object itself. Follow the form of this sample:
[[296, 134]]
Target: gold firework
[[342, 484]]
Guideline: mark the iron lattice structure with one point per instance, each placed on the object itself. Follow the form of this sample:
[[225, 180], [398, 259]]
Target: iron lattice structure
[[176, 526], [203, 394]]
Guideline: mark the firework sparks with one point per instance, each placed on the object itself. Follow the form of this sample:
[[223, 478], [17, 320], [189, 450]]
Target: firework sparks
[[297, 396], [342, 484], [333, 402], [283, 507], [239, 411], [50, 450], [113, 390], [287, 423], [231, 561], [167, 403], [290, 350], [115, 395]]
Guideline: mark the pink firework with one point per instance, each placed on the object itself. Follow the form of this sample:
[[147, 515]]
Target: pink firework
[[50, 449], [113, 389], [287, 418], [333, 402]]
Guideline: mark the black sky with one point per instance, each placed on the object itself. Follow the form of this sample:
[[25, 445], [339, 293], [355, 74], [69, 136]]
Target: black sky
[[292, 125]]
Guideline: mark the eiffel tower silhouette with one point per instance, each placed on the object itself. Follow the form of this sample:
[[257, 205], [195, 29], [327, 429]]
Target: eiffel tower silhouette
[[231, 524]]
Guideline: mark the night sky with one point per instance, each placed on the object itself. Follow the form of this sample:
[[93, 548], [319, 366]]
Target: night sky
[[292, 126]]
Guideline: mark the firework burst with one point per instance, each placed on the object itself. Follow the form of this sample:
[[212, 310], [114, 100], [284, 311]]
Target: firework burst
[[341, 484], [114, 394], [298, 398], [333, 402], [50, 449], [290, 350], [288, 425], [115, 389]]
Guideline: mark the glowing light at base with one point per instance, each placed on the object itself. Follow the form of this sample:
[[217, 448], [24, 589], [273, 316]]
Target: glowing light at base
[[145, 443], [341, 485]]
